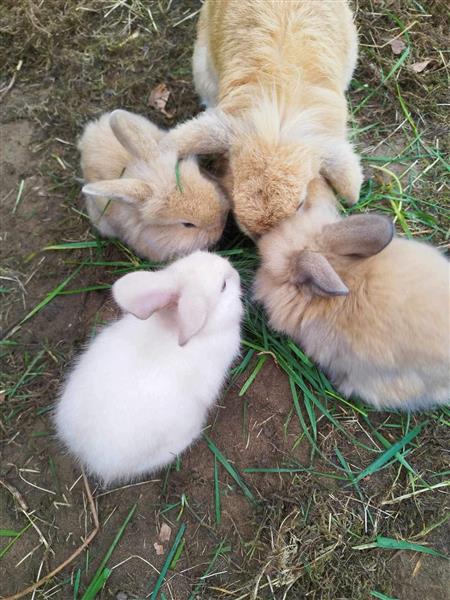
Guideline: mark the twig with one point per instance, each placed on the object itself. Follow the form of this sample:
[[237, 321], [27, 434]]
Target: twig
[[73, 556], [24, 509]]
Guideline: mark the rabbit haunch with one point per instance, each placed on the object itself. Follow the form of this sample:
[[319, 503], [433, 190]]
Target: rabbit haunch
[[132, 191], [139, 395], [385, 337], [275, 74]]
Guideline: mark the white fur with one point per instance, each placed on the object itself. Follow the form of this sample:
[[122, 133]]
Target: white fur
[[137, 398], [205, 77]]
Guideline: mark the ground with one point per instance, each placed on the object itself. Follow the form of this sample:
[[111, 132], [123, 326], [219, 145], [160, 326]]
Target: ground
[[282, 498]]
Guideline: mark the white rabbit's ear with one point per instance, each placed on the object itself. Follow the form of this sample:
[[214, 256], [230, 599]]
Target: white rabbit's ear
[[359, 235], [192, 313], [136, 134], [131, 191], [208, 133], [342, 168], [143, 293], [314, 269]]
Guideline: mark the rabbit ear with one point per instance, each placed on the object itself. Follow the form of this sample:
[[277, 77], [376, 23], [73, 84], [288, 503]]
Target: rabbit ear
[[142, 293], [136, 134], [209, 133], [361, 235], [343, 170], [313, 268], [192, 313], [131, 191]]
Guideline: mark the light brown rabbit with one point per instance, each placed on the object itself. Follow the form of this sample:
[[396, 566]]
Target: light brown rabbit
[[132, 190], [275, 73], [374, 314]]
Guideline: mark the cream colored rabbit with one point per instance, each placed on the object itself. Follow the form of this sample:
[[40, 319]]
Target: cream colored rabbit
[[132, 190], [275, 74], [373, 313]]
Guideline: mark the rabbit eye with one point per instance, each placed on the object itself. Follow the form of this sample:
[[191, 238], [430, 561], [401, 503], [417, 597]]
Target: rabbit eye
[[188, 224], [224, 285]]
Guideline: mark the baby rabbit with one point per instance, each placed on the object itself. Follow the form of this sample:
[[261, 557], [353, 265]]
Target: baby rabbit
[[139, 395], [132, 191], [275, 74], [373, 313]]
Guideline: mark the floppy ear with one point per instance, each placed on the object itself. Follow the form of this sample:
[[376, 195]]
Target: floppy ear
[[361, 235], [131, 191], [342, 168], [208, 133], [192, 313], [313, 268], [136, 134], [142, 293]]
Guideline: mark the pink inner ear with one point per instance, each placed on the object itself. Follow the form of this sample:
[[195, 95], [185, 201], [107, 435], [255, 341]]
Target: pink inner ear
[[143, 306]]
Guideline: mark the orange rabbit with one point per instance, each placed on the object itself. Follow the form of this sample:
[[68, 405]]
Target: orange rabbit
[[274, 74]]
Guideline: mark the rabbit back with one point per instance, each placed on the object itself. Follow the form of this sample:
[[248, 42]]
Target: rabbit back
[[102, 155], [131, 405], [388, 341]]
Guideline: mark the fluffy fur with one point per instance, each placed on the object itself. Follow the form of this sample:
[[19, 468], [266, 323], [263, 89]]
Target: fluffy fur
[[275, 73], [132, 191], [385, 336], [139, 395]]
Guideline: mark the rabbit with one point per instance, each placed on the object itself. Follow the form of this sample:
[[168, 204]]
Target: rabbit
[[139, 395], [372, 311], [132, 191], [274, 75]]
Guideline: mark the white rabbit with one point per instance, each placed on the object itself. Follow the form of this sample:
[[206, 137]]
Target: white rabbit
[[140, 393]]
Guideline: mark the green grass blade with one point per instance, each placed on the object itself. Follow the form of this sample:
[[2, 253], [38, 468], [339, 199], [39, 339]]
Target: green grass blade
[[8, 546], [168, 561], [298, 410], [178, 177], [229, 468], [101, 569], [75, 245], [381, 596], [395, 68], [390, 453], [291, 470], [49, 297], [97, 585], [217, 509], [26, 372], [9, 533], [251, 379], [76, 584], [220, 549], [392, 544], [384, 442]]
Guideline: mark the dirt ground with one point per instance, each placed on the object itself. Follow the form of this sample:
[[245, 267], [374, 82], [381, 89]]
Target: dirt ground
[[66, 62]]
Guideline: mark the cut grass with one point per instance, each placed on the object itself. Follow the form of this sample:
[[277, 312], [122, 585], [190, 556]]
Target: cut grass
[[386, 543], [171, 558], [231, 470], [102, 573]]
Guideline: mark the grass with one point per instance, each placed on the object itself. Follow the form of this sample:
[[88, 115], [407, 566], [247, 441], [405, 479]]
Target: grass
[[102, 573], [170, 561], [326, 515]]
